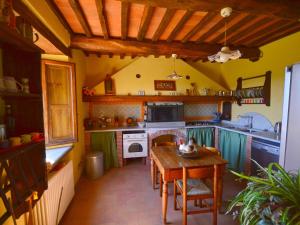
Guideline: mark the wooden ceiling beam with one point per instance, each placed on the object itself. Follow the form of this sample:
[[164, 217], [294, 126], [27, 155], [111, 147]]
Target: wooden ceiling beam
[[145, 21], [288, 9], [209, 16], [60, 16], [220, 25], [179, 26], [276, 34], [248, 29], [30, 17], [75, 5], [163, 24], [133, 47], [102, 18], [261, 32], [124, 19], [233, 28]]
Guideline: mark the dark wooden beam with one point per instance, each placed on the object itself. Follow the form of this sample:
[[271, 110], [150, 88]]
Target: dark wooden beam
[[261, 33], [81, 17], [179, 26], [29, 16], [59, 15], [124, 19], [133, 47], [102, 18], [248, 29], [274, 8], [87, 54], [220, 25], [233, 28], [163, 24], [146, 18], [203, 22], [277, 34]]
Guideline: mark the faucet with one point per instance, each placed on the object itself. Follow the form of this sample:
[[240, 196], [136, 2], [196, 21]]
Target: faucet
[[250, 120]]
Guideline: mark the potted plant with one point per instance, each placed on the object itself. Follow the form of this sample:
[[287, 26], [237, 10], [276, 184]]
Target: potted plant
[[271, 199]]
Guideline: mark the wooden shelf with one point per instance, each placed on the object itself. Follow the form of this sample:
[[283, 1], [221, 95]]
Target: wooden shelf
[[19, 95], [253, 98], [11, 36], [153, 98]]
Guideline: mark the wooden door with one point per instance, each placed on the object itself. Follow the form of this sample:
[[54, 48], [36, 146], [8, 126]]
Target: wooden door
[[59, 97]]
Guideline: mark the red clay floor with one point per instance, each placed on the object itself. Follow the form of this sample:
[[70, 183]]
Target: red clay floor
[[124, 196]]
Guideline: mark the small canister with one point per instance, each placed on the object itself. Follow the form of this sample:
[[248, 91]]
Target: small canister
[[2, 132]]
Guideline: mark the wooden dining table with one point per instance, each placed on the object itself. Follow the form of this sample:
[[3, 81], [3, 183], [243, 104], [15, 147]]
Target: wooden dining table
[[170, 164]]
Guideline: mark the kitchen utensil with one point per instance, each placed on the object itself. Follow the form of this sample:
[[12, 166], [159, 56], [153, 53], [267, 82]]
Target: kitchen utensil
[[15, 141], [11, 84], [2, 132], [2, 85], [25, 84], [25, 138], [277, 127]]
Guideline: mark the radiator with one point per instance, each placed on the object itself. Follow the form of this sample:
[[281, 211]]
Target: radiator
[[48, 210]]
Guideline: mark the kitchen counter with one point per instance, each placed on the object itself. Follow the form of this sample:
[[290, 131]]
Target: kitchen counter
[[271, 136]]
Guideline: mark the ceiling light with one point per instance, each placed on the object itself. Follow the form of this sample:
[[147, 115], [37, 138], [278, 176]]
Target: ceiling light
[[225, 54], [174, 75]]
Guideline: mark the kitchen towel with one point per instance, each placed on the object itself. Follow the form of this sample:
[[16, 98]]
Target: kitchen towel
[[106, 143], [233, 148], [203, 136]]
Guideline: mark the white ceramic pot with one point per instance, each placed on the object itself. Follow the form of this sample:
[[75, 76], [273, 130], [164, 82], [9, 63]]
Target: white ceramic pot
[[11, 84]]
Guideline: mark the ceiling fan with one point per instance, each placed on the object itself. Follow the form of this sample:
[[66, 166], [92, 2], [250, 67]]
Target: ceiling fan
[[174, 75], [226, 53]]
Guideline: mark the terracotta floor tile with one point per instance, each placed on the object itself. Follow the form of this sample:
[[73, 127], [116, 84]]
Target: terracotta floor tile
[[124, 196]]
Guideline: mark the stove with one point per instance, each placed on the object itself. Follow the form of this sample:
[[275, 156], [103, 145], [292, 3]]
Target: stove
[[201, 123]]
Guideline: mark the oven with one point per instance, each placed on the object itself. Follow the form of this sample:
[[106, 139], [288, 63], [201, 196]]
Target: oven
[[135, 144], [164, 114]]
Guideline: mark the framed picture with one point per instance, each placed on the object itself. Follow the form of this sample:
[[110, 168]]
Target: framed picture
[[165, 85]]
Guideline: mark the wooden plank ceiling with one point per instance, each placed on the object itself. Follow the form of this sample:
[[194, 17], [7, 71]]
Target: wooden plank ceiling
[[193, 29]]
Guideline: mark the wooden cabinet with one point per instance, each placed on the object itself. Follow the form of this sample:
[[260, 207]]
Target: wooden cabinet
[[22, 167], [59, 96]]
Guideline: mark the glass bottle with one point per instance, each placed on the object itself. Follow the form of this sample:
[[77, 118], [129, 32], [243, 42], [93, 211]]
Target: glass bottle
[[10, 121]]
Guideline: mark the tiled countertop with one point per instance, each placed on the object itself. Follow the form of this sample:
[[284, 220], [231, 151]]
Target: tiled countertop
[[271, 136]]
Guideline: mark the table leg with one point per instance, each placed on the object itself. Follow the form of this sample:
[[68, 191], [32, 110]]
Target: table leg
[[220, 191], [165, 201], [153, 173]]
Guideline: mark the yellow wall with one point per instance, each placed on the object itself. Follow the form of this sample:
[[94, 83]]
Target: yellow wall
[[151, 69], [276, 56], [98, 67]]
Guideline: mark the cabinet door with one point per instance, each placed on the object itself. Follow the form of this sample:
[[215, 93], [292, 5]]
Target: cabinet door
[[59, 98]]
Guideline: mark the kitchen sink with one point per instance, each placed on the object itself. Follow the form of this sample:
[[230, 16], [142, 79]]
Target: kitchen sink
[[245, 129]]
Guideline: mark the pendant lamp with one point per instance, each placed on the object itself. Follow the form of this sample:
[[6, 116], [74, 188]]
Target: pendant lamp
[[225, 53], [174, 75]]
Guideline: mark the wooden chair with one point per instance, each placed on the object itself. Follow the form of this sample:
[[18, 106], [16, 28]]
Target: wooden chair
[[156, 171], [191, 187]]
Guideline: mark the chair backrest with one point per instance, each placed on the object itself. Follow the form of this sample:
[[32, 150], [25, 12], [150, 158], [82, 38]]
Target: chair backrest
[[167, 143], [202, 173]]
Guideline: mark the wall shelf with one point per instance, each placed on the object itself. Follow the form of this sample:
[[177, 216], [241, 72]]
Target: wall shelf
[[153, 98], [254, 95], [12, 37], [7, 94]]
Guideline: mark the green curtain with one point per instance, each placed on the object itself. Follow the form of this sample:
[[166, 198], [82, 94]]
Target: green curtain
[[203, 136], [233, 148], [105, 142]]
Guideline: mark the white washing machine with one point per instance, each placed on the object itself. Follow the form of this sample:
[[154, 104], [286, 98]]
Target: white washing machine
[[135, 144]]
